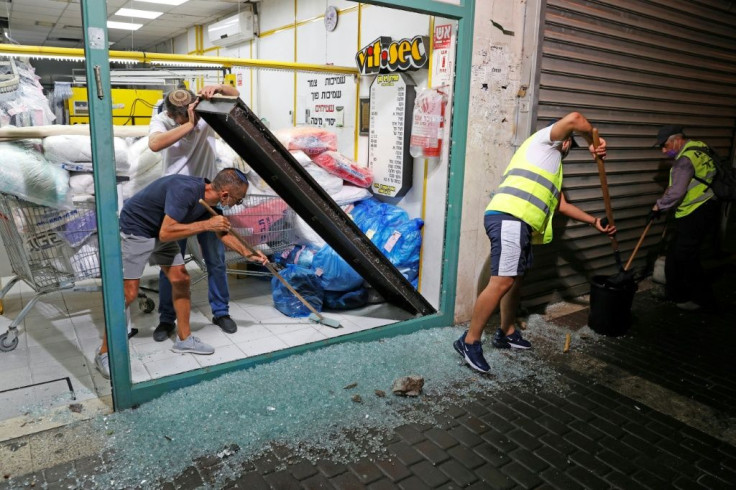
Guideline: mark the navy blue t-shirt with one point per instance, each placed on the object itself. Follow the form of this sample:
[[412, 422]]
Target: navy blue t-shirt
[[174, 195]]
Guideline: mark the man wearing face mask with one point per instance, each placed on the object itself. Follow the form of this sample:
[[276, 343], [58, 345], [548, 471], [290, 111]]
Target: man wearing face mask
[[188, 146], [151, 223], [696, 215], [519, 215]]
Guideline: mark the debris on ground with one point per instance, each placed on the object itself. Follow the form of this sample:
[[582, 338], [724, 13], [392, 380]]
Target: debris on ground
[[408, 385]]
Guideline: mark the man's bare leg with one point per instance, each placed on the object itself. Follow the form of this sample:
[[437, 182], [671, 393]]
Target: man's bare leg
[[485, 305], [181, 298]]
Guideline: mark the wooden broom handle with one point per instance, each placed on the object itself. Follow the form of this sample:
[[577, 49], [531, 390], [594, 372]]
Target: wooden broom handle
[[269, 266], [604, 186], [636, 249]]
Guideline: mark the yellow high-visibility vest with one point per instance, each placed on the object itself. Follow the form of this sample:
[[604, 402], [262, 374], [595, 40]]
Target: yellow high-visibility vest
[[697, 192], [529, 193]]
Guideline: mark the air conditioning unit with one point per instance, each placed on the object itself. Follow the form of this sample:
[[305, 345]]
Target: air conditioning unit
[[233, 30]]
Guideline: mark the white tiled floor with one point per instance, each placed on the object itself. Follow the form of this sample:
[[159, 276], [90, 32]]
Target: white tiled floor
[[59, 336]]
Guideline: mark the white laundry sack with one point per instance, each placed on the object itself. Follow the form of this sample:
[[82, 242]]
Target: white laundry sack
[[62, 149]]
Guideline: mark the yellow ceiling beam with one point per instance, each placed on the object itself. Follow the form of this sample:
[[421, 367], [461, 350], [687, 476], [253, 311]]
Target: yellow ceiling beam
[[147, 57]]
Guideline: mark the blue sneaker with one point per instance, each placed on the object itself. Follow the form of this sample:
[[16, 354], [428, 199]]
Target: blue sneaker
[[513, 341], [458, 344], [473, 355]]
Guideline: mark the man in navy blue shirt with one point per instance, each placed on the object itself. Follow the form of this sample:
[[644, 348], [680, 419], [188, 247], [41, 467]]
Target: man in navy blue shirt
[[154, 219]]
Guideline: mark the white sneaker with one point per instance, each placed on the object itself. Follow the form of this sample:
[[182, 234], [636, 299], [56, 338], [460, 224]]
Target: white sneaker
[[688, 306], [102, 363], [192, 345]]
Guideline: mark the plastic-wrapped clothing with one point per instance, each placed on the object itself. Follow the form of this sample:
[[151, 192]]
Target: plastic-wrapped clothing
[[334, 273], [301, 255], [332, 184], [305, 283], [373, 216], [77, 150], [310, 140], [345, 168], [346, 300], [401, 243], [27, 174]]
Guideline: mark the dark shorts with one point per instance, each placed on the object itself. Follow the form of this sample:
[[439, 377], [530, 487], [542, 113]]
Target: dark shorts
[[511, 244]]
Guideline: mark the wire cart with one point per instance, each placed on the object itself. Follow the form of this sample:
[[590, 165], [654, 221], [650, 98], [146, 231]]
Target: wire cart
[[265, 222], [50, 250]]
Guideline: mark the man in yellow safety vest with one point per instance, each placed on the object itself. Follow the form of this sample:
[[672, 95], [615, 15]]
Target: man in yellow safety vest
[[520, 214], [696, 215]]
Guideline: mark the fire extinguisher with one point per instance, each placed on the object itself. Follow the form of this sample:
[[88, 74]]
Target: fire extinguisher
[[428, 123]]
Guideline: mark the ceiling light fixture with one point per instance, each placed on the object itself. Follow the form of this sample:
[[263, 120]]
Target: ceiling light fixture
[[144, 14], [165, 2], [111, 24]]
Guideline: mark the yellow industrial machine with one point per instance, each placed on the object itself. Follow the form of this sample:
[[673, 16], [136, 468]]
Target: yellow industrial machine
[[130, 107]]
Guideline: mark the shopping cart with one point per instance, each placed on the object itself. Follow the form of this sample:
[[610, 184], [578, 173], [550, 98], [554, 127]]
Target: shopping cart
[[265, 222], [50, 250]]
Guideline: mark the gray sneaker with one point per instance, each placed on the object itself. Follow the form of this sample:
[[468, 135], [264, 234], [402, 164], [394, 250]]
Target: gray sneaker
[[103, 364], [192, 345]]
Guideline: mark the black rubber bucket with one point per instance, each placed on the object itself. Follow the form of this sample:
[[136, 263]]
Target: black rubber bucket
[[610, 306]]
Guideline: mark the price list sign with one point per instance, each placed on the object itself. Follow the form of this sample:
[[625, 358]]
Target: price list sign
[[391, 108]]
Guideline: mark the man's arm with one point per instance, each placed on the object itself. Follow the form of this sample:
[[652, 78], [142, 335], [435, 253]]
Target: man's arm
[[682, 173], [575, 122], [234, 244], [223, 89], [162, 140], [171, 230], [578, 214]]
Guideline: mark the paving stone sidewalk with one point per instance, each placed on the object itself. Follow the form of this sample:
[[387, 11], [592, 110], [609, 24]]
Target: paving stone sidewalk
[[590, 436]]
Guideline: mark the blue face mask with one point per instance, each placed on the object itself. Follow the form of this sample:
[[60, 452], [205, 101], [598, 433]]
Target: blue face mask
[[222, 207], [671, 153]]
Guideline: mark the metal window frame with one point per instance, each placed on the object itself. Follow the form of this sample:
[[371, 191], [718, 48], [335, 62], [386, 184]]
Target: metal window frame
[[125, 394]]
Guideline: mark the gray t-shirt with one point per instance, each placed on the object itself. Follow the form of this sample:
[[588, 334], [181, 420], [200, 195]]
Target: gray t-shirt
[[193, 155]]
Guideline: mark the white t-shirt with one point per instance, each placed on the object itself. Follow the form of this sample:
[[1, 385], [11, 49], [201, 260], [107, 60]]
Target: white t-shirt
[[544, 152], [194, 154]]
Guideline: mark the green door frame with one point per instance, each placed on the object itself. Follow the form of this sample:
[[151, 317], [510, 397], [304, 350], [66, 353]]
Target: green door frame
[[125, 394]]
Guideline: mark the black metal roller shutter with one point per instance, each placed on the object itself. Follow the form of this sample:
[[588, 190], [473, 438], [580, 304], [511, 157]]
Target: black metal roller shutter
[[629, 66]]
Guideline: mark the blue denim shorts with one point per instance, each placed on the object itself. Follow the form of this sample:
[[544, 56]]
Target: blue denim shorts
[[511, 244]]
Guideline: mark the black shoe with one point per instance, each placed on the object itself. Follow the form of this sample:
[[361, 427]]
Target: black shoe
[[163, 331], [225, 323]]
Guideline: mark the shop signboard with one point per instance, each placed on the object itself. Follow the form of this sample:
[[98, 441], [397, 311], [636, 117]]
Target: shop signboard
[[391, 106]]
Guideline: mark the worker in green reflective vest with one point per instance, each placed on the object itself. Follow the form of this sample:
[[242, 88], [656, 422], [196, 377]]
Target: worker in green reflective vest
[[519, 215], [696, 215]]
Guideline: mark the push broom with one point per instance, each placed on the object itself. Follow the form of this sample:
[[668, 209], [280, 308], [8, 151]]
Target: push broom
[[315, 315]]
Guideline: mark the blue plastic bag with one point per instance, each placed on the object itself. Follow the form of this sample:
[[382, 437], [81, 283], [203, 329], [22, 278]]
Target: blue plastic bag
[[334, 273], [305, 283]]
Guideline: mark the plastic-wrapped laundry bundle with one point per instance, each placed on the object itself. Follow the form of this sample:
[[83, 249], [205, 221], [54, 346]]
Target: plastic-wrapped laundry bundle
[[301, 255], [305, 283], [145, 167], [310, 140], [25, 173], [345, 168], [74, 152], [345, 300], [226, 157], [334, 273]]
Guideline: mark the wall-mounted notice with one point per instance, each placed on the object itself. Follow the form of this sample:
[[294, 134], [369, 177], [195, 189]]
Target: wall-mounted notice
[[392, 105], [442, 55], [326, 100]]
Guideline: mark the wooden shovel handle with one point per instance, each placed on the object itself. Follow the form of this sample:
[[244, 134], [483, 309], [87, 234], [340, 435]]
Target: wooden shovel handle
[[269, 266], [636, 249], [604, 185]]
